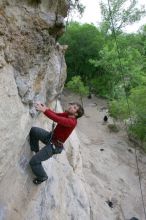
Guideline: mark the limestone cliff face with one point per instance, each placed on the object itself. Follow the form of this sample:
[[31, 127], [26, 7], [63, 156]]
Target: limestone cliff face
[[32, 67], [28, 46]]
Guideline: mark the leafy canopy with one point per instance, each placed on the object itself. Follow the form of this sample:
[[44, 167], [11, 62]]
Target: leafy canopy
[[119, 14]]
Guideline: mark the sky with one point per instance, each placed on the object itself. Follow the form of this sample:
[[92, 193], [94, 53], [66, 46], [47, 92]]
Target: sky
[[92, 14]]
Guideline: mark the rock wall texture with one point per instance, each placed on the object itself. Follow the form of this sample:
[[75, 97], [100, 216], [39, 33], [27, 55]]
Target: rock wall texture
[[32, 67]]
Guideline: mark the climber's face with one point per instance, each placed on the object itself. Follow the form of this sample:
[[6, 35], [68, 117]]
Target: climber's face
[[73, 109]]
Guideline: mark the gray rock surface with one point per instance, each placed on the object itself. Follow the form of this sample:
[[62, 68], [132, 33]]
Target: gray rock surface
[[28, 43]]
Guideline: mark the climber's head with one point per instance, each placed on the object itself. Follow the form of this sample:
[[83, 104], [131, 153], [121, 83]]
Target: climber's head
[[75, 109]]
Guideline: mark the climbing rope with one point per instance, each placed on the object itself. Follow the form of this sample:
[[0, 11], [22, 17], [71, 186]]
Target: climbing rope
[[129, 111]]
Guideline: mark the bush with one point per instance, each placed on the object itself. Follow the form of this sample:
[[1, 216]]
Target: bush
[[119, 109], [135, 112], [76, 85], [138, 99]]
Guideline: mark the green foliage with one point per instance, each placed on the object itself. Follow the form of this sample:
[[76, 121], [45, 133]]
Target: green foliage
[[119, 109], [122, 13], [76, 85], [76, 6], [85, 42], [138, 98], [102, 86], [136, 109], [112, 68], [119, 71]]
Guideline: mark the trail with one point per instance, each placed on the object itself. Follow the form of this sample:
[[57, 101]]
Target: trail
[[109, 165]]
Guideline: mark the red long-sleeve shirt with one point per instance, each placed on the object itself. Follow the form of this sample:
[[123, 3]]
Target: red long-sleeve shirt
[[64, 127]]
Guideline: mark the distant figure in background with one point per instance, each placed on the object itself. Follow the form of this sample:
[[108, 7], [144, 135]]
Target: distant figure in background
[[105, 118], [66, 122], [90, 91], [89, 96]]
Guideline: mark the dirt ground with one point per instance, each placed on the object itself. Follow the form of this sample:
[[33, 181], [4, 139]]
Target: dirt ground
[[109, 164]]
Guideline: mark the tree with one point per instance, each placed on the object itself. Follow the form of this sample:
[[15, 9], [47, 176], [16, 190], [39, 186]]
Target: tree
[[134, 109], [84, 42], [77, 86], [122, 69], [76, 6], [119, 14], [138, 99]]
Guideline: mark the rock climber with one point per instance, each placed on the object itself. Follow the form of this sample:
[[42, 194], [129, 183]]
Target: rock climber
[[53, 140]]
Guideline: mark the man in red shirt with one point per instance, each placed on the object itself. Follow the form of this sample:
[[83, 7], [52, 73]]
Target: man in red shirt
[[54, 140]]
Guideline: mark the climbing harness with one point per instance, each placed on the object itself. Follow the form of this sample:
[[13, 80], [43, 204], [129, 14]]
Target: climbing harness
[[129, 111]]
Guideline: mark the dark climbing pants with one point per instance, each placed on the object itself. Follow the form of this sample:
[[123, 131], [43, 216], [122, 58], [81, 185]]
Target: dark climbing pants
[[36, 135]]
